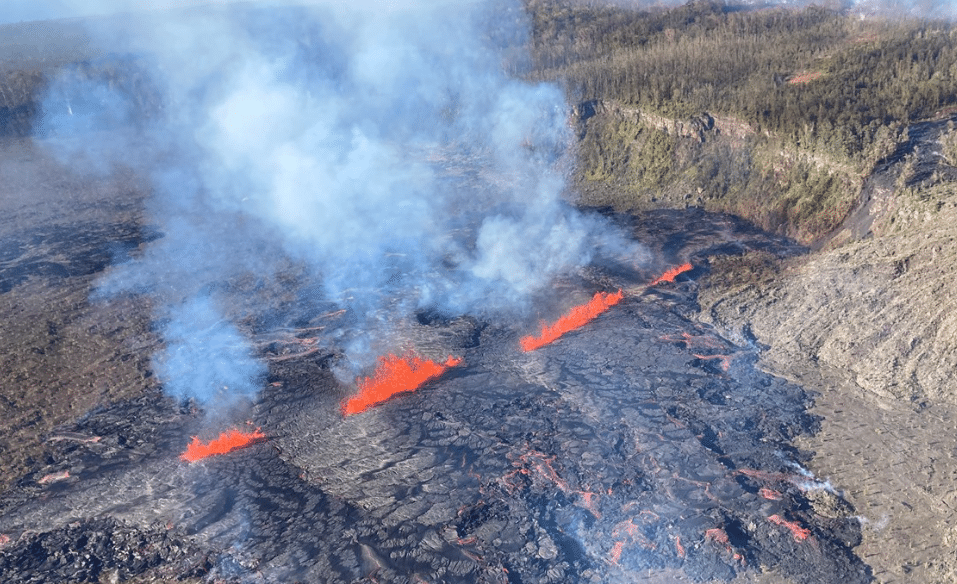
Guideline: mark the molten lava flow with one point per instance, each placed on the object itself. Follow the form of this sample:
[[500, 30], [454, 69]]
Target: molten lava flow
[[770, 494], [670, 275], [395, 375], [799, 532], [579, 316], [227, 442], [55, 477]]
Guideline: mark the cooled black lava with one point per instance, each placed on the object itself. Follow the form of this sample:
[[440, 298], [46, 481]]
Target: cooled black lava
[[642, 444]]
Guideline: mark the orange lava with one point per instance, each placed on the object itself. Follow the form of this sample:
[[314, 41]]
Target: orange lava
[[800, 534], [577, 317], [394, 375], [631, 534], [227, 442], [770, 494], [615, 554], [589, 501], [55, 477], [718, 535], [671, 274]]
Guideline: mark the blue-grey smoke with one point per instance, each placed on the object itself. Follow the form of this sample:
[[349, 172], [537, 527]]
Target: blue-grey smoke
[[207, 358], [378, 148]]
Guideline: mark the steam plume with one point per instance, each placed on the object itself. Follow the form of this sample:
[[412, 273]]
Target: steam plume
[[378, 149]]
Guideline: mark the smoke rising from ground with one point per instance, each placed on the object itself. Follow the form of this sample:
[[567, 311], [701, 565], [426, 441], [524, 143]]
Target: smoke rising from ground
[[228, 369], [379, 148]]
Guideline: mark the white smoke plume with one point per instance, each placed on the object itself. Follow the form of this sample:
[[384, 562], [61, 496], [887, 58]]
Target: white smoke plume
[[378, 148]]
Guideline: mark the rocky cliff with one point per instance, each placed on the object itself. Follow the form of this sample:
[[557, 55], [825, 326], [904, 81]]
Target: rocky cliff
[[879, 305]]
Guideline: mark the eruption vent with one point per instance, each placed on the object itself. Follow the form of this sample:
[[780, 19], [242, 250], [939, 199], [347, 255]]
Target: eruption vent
[[670, 275], [578, 317], [227, 442], [395, 375]]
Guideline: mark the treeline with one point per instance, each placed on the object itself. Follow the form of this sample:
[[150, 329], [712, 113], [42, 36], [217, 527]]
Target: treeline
[[775, 114], [710, 57]]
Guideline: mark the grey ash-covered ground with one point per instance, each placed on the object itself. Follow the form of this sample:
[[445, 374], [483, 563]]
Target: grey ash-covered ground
[[640, 445]]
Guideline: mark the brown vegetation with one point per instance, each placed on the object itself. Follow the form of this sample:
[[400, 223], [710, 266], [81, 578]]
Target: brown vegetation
[[651, 86], [805, 78]]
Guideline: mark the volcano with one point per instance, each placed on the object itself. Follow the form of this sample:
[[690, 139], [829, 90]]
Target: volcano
[[621, 453]]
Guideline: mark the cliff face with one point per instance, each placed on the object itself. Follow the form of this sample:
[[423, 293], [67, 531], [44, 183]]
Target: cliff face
[[882, 308], [634, 159]]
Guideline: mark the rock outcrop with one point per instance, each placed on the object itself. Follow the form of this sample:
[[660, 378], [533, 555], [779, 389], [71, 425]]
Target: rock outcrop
[[881, 309]]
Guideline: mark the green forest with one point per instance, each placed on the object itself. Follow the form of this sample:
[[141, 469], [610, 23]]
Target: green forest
[[774, 113]]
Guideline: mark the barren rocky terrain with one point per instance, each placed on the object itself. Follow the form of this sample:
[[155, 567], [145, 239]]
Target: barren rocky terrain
[[643, 447], [62, 352]]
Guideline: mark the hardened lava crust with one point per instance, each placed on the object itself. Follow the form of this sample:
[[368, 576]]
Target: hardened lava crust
[[643, 446]]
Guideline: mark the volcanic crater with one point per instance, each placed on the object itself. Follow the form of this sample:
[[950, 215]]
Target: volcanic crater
[[641, 446]]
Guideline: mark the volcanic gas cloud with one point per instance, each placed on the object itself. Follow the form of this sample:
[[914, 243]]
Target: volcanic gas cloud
[[577, 317], [395, 375], [226, 442]]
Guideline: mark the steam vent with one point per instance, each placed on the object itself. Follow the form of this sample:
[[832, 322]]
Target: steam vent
[[296, 294]]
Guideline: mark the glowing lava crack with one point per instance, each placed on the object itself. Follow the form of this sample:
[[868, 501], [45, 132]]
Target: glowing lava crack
[[226, 442], [395, 375], [578, 317]]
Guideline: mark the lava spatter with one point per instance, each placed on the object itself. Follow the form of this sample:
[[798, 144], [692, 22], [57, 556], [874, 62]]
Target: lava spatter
[[670, 275], [395, 375], [225, 443], [576, 318]]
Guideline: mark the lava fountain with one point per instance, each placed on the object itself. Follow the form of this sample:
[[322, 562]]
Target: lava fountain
[[670, 275], [395, 375], [225, 443], [576, 318]]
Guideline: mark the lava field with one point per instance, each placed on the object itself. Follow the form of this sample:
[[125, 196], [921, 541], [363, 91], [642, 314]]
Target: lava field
[[639, 447]]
